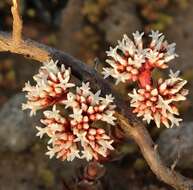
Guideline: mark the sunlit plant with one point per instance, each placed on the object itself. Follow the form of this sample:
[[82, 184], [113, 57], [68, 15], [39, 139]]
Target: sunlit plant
[[73, 116], [72, 135], [70, 128], [132, 61]]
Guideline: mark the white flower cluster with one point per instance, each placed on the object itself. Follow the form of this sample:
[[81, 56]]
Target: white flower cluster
[[130, 61], [73, 136], [158, 104], [128, 57], [62, 141], [51, 87], [84, 102], [88, 108]]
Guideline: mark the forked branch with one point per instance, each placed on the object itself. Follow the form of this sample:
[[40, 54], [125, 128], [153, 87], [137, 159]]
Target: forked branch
[[131, 126]]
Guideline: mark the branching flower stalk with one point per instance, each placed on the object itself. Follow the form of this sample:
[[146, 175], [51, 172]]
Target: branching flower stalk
[[130, 61]]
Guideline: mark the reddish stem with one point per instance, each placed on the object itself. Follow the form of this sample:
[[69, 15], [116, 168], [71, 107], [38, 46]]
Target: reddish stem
[[145, 77]]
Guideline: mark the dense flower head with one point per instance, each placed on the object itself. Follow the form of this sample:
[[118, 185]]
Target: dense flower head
[[132, 61], [88, 107], [129, 57], [52, 86], [71, 131], [158, 103], [62, 140]]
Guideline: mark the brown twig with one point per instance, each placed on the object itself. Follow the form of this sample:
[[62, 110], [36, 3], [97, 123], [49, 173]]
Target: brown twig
[[131, 126], [17, 22], [29, 49]]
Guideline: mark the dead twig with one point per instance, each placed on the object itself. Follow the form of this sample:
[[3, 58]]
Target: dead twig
[[17, 22]]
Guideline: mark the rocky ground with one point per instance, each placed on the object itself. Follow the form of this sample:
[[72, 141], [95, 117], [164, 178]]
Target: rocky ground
[[85, 29]]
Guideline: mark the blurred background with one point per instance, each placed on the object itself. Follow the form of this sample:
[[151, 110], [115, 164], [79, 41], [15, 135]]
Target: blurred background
[[86, 29]]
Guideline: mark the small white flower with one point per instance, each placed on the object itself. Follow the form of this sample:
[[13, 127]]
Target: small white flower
[[51, 66], [138, 39], [106, 144], [81, 137], [87, 153], [96, 97], [74, 153], [85, 88], [77, 115], [51, 152], [155, 35], [108, 117], [108, 100], [70, 102], [174, 75], [41, 131]]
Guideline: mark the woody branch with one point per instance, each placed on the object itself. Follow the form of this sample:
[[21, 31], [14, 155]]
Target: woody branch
[[132, 127]]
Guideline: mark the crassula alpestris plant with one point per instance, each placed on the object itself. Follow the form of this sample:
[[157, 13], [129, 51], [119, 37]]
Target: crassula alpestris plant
[[72, 135], [71, 127], [130, 62], [153, 99]]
